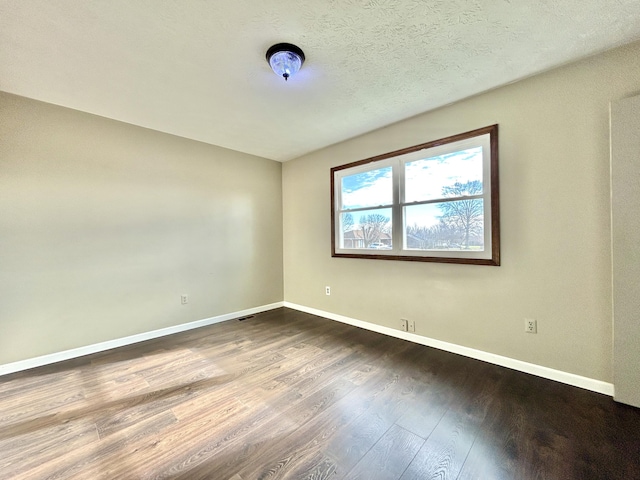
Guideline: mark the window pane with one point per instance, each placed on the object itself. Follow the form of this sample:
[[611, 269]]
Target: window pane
[[367, 189], [450, 175], [457, 225], [426, 203], [367, 229]]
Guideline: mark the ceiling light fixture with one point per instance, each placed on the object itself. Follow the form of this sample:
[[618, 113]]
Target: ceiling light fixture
[[285, 59]]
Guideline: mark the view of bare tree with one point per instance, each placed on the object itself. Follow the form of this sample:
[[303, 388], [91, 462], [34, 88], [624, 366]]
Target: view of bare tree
[[372, 227], [347, 222], [465, 216], [436, 236], [459, 227]]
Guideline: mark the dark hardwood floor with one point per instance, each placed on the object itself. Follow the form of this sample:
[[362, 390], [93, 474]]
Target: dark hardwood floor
[[289, 395]]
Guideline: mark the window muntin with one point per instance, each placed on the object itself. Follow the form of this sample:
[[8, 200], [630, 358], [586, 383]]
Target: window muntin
[[432, 202]]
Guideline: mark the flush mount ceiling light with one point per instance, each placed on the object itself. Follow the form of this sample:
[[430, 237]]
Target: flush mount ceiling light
[[285, 59]]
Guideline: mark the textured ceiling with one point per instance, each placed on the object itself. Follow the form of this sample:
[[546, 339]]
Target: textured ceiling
[[196, 68]]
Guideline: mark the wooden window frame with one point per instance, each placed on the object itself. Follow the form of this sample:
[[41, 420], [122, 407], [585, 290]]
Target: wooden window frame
[[491, 252]]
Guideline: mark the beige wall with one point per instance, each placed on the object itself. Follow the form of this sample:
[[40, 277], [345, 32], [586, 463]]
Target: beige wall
[[625, 232], [555, 213], [104, 225]]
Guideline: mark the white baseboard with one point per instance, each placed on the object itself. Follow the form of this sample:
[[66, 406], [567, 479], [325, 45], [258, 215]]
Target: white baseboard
[[121, 342], [531, 368], [538, 370]]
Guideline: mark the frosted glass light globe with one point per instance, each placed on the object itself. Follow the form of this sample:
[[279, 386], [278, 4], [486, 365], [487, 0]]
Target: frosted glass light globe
[[285, 59], [285, 64]]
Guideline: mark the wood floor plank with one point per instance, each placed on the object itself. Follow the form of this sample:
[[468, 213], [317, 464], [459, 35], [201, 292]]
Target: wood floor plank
[[269, 454], [435, 398], [447, 447], [308, 442], [282, 425], [40, 414], [389, 457], [443, 454], [101, 388], [289, 395], [24, 452], [323, 469], [91, 460], [356, 439]]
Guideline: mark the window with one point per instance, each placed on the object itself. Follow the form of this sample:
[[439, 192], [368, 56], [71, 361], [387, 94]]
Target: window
[[434, 202]]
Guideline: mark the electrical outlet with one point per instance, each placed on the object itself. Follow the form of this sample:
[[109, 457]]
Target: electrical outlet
[[412, 326], [404, 325], [327, 290], [530, 325], [184, 299]]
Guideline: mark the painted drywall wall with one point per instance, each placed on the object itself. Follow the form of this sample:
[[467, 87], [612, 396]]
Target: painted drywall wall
[[103, 225], [625, 232], [555, 216]]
